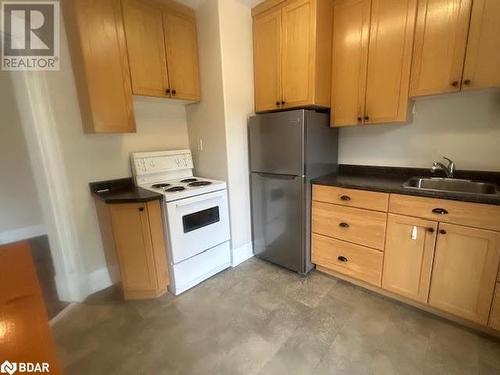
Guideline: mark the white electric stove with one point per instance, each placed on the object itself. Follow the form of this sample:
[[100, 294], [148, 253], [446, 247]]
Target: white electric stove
[[196, 218]]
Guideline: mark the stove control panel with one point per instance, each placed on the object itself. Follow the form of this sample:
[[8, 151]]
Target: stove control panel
[[160, 162]]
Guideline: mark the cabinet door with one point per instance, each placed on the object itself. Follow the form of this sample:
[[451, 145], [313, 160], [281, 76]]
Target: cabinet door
[[409, 252], [182, 55], [351, 27], [101, 65], [482, 63], [298, 53], [146, 48], [440, 42], [465, 269], [267, 60], [389, 61], [134, 247]]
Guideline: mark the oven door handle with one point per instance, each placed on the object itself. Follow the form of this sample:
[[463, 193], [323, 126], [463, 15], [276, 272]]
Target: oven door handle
[[201, 198]]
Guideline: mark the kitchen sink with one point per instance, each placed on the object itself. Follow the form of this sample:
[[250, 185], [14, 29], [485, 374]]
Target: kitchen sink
[[451, 185]]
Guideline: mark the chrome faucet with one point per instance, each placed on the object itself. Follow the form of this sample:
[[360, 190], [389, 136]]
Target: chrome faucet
[[448, 170]]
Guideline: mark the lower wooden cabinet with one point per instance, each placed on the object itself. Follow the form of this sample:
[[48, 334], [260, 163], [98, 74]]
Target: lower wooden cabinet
[[409, 252], [353, 260], [495, 310], [135, 233], [360, 226], [465, 270], [447, 264]]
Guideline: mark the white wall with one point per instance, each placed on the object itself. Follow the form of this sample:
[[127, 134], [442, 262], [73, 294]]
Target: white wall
[[206, 119], [464, 127], [219, 121], [20, 212], [237, 67]]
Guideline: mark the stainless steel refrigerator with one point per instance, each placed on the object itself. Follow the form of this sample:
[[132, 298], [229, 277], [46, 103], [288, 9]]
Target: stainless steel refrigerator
[[287, 150]]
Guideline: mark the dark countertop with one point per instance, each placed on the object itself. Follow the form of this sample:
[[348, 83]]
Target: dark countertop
[[390, 180], [122, 191]]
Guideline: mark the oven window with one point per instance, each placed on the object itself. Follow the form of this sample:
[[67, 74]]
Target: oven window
[[200, 219]]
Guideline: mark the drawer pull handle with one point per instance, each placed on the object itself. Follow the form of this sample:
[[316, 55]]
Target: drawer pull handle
[[345, 198], [344, 225], [442, 231], [440, 211], [430, 230], [342, 259]]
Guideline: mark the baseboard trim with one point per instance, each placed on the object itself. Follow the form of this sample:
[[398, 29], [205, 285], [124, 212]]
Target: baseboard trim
[[98, 280], [241, 254], [22, 234]]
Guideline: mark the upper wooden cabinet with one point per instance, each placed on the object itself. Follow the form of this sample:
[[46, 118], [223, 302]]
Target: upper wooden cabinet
[[372, 48], [267, 59], [146, 48], [182, 55], [457, 46], [482, 62], [292, 53], [351, 27], [100, 63], [162, 49], [465, 270], [440, 43]]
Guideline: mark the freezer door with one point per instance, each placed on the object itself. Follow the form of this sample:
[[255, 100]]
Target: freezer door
[[278, 219], [276, 142]]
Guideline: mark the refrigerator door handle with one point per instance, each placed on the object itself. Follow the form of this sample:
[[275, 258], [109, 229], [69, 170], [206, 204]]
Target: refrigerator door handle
[[278, 176]]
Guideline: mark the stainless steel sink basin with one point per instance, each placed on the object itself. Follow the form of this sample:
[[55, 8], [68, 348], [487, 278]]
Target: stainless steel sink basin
[[451, 185]]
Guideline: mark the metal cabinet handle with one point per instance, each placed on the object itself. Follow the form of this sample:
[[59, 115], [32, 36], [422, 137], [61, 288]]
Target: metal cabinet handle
[[167, 91], [174, 92], [345, 198], [277, 103], [442, 231], [283, 102], [344, 225], [430, 230], [367, 118], [141, 209], [467, 82], [455, 83], [343, 259], [440, 211], [360, 119]]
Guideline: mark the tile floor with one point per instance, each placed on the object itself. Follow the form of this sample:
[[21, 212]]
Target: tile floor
[[261, 319]]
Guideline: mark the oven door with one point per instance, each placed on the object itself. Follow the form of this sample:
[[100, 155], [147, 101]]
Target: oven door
[[197, 224]]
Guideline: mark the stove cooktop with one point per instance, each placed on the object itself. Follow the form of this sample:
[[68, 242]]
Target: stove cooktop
[[185, 187], [200, 183]]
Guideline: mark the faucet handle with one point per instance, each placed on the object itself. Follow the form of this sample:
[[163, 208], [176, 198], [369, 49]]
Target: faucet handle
[[448, 159], [451, 165]]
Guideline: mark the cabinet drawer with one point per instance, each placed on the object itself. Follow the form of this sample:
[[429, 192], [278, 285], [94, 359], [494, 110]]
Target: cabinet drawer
[[495, 310], [352, 260], [470, 214], [351, 197], [362, 227]]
